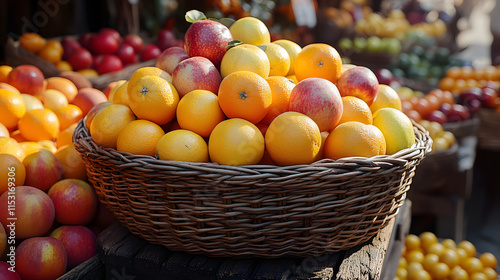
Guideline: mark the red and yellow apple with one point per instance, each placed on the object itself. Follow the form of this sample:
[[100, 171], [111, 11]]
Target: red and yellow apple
[[43, 169], [88, 98], [358, 81], [170, 58], [41, 258], [79, 241], [196, 73], [8, 272], [27, 79]]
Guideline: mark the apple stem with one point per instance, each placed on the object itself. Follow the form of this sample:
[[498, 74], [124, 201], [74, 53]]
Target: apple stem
[[243, 95], [144, 90]]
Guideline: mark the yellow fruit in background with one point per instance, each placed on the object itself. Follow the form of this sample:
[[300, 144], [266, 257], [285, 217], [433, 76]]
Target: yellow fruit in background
[[250, 30], [236, 142], [199, 111], [293, 138], [53, 99], [182, 145], [245, 57], [11, 146], [139, 137], [89, 73], [68, 115], [355, 109], [31, 102], [108, 123], [147, 71], [293, 49], [387, 97], [279, 60], [11, 164], [64, 66], [72, 163], [39, 124], [118, 84], [12, 108], [396, 127]]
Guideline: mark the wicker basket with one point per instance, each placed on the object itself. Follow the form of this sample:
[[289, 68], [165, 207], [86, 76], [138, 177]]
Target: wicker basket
[[488, 135], [252, 211]]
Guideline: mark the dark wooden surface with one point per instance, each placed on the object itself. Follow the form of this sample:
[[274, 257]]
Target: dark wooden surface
[[126, 256], [92, 269]]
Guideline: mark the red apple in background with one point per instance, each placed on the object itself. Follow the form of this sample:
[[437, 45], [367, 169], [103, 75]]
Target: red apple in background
[[384, 76], [43, 169], [196, 73], [457, 113], [170, 58], [86, 98], [109, 63], [69, 46], [207, 38], [34, 212], [319, 99], [111, 32], [27, 79], [79, 241], [166, 39], [437, 116], [135, 41], [149, 52], [80, 59], [360, 82], [103, 43], [41, 258], [8, 272], [126, 53], [75, 202], [489, 97], [84, 39]]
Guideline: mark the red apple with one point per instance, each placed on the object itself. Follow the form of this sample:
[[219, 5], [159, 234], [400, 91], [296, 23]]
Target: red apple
[[196, 73], [96, 109], [489, 97], [84, 40], [69, 46], [110, 87], [170, 58], [166, 39], [80, 59], [103, 43], [27, 79], [207, 38], [41, 258], [320, 100], [109, 63], [458, 113], [8, 272], [149, 52], [79, 241], [43, 169], [384, 76], [358, 81], [126, 53], [135, 41], [34, 212], [75, 202], [437, 116], [111, 32], [86, 98]]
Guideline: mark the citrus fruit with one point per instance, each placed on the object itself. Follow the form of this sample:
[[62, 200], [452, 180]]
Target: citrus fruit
[[246, 95], [281, 89], [9, 87], [488, 260], [355, 109], [412, 242], [396, 127], [32, 42], [439, 271], [199, 111], [354, 139], [113, 86], [293, 49], [469, 248], [147, 71], [293, 138], [11, 108], [64, 66], [386, 97], [51, 52], [30, 147], [4, 132], [68, 115], [63, 85], [49, 145], [96, 109], [4, 73], [31, 102], [293, 79], [53, 99], [39, 124], [182, 145], [320, 155], [10, 146], [119, 94], [472, 264], [108, 123], [236, 142], [12, 172], [139, 137], [458, 273], [279, 60], [245, 57], [65, 137], [250, 30], [318, 60], [153, 98], [427, 239]]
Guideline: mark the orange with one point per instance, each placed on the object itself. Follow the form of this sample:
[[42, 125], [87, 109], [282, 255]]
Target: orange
[[11, 146], [320, 155], [16, 135], [318, 60], [39, 124], [446, 84], [293, 138], [139, 137], [472, 264], [108, 123], [96, 109], [199, 111], [12, 108], [4, 72], [9, 87], [488, 260], [68, 115], [30, 147], [4, 132], [182, 145], [31, 102], [72, 163], [469, 248], [453, 72], [236, 142], [293, 49], [246, 95], [12, 172], [49, 145], [281, 89], [89, 73], [63, 85], [355, 109], [386, 97], [51, 52], [250, 30], [119, 94], [279, 60], [147, 71], [32, 42], [65, 137], [293, 79], [153, 98], [64, 66], [354, 139], [245, 57], [53, 99]]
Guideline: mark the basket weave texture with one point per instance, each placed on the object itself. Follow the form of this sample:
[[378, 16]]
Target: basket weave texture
[[252, 211], [488, 135]]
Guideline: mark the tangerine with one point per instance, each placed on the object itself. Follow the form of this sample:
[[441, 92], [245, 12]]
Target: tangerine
[[281, 89], [39, 124], [12, 108], [139, 137], [182, 145], [318, 60]]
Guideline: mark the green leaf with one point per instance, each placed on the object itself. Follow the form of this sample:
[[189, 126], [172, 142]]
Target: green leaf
[[194, 16], [262, 47], [227, 21], [233, 43]]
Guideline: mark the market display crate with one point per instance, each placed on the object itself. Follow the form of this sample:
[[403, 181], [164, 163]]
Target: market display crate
[[463, 129], [252, 211], [488, 133]]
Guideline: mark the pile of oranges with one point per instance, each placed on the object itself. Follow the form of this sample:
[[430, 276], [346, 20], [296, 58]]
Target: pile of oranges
[[459, 78]]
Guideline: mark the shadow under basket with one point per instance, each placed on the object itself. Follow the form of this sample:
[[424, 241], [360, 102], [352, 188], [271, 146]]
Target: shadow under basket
[[261, 211]]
